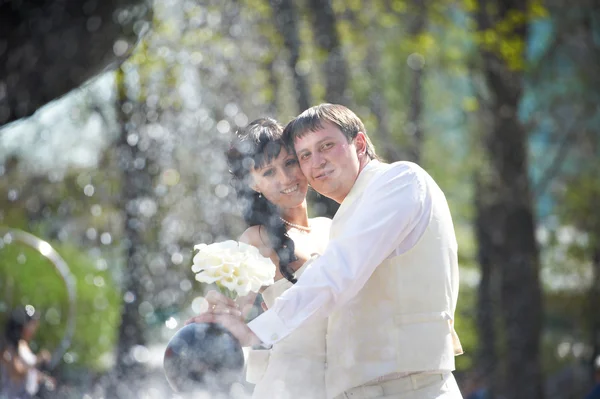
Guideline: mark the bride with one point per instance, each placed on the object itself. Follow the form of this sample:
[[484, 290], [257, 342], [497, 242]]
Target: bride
[[272, 190]]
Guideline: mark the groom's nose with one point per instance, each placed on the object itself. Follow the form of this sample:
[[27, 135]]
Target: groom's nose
[[318, 160]]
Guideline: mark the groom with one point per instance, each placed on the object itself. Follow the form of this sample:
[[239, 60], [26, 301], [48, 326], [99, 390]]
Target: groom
[[388, 280]]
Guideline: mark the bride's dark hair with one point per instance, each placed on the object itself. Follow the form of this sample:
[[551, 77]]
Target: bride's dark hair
[[253, 147]]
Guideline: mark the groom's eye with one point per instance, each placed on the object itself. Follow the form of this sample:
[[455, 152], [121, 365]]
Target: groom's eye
[[304, 156]]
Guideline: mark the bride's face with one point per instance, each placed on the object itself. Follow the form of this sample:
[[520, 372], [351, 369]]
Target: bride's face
[[281, 181]]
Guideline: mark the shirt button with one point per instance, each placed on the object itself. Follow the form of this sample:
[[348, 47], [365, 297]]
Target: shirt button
[[274, 337]]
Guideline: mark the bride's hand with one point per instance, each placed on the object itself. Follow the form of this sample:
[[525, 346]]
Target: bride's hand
[[219, 304]]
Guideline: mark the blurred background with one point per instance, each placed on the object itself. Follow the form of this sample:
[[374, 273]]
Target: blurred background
[[122, 176]]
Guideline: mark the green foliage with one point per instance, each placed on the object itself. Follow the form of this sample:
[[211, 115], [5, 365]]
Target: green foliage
[[565, 321], [27, 277], [466, 328]]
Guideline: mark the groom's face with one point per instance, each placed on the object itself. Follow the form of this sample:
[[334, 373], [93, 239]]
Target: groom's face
[[329, 162]]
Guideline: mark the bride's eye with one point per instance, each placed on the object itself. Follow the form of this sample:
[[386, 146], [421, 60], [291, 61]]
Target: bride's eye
[[291, 162], [268, 172]]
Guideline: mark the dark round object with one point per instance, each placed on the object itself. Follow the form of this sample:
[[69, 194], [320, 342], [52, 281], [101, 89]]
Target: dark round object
[[203, 356]]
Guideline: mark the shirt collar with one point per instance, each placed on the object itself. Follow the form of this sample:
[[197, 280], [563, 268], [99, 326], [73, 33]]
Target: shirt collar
[[361, 181]]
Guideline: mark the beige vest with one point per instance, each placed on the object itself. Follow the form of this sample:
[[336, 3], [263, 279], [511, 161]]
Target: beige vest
[[402, 319]]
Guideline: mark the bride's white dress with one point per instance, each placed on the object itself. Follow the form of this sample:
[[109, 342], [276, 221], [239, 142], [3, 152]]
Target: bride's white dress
[[294, 368]]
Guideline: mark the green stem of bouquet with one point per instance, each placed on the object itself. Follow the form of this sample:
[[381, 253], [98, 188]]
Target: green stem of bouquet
[[227, 292]]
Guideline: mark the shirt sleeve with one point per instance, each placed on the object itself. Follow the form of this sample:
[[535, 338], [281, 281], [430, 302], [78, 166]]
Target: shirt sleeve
[[381, 218]]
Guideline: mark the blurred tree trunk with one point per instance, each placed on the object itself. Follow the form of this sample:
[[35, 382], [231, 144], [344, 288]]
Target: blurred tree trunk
[[378, 105], [594, 301], [274, 86], [335, 68], [506, 191], [589, 221], [335, 71], [286, 19], [367, 25], [136, 183], [487, 356], [416, 27]]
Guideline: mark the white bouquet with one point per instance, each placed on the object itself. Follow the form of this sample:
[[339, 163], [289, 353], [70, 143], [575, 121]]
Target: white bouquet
[[235, 267]]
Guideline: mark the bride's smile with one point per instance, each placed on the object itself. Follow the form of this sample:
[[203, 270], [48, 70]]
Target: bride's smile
[[290, 190]]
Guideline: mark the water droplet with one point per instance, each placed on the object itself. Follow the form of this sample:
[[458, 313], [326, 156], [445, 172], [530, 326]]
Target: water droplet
[[196, 58], [106, 238], [231, 109], [157, 267], [199, 305], [120, 48], [68, 357], [221, 190], [52, 316], [170, 177], [129, 297], [101, 264], [241, 119], [415, 61], [145, 308], [139, 163], [223, 126], [93, 23], [185, 285], [13, 195], [100, 302], [91, 233], [96, 210], [563, 349], [171, 323], [99, 281], [88, 190], [177, 258], [8, 238], [140, 353], [147, 207]]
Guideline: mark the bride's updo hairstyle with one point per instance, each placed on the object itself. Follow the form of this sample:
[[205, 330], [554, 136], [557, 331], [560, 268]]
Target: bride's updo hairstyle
[[253, 147]]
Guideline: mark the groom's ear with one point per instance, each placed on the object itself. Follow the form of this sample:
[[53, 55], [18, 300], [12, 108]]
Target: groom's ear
[[360, 142]]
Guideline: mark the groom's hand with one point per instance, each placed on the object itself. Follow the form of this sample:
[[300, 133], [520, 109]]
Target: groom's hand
[[233, 323]]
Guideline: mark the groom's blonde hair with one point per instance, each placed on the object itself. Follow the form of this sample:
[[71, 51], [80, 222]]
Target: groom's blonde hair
[[313, 118]]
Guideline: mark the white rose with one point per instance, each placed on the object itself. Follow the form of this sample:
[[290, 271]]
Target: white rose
[[236, 266]]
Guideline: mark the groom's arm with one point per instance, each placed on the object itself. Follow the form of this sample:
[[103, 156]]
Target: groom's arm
[[395, 208]]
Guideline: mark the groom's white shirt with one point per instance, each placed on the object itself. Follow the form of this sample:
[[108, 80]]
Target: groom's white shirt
[[389, 223]]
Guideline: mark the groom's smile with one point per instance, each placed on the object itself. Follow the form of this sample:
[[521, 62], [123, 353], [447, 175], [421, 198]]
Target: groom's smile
[[323, 175], [330, 163]]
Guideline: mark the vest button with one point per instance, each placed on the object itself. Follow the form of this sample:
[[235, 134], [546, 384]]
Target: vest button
[[274, 337]]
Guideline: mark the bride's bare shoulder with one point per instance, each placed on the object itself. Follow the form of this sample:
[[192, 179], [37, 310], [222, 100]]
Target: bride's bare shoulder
[[252, 236], [257, 236]]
